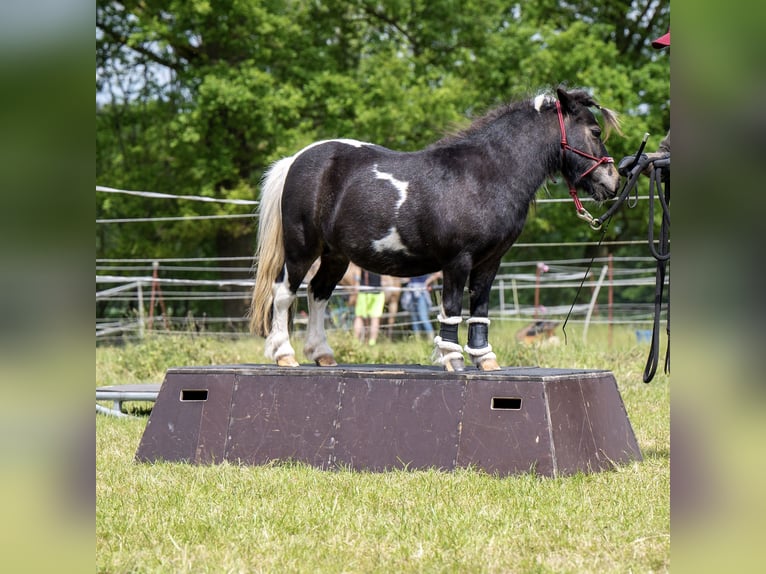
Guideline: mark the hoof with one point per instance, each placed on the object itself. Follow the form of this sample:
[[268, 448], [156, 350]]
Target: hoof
[[489, 365], [455, 365], [326, 361], [287, 361]]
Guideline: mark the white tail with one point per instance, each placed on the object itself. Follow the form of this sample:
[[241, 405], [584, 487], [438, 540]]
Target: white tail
[[270, 251]]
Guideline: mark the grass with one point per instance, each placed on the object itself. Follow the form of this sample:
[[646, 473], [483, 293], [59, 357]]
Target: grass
[[289, 517]]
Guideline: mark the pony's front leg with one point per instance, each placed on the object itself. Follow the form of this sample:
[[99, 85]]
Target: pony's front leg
[[447, 349], [478, 347], [278, 345], [316, 347]]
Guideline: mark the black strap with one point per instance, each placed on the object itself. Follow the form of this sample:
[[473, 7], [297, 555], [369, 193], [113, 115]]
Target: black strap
[[662, 254], [630, 185], [582, 282]]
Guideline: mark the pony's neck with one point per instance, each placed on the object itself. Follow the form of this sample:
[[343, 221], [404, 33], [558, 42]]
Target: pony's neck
[[523, 141]]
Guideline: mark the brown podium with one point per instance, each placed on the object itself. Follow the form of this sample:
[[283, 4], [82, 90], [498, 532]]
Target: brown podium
[[552, 422]]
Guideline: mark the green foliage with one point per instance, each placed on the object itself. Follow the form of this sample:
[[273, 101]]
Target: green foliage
[[200, 97], [147, 361]]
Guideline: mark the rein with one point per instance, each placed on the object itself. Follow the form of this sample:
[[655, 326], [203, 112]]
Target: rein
[[661, 253], [582, 213]]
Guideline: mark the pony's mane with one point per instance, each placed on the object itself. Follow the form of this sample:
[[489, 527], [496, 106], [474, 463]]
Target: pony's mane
[[482, 122], [539, 102], [610, 117]]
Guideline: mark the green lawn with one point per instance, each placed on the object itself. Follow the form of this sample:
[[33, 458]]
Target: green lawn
[[290, 517]]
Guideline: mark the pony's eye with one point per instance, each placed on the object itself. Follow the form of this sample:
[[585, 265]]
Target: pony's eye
[[596, 132]]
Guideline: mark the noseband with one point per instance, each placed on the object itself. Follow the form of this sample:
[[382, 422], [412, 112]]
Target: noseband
[[582, 213]]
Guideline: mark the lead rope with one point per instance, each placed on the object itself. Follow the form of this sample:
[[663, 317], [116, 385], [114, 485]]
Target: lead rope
[[662, 255], [582, 282]]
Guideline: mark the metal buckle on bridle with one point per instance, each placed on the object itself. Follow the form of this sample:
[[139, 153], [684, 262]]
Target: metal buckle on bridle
[[582, 213]]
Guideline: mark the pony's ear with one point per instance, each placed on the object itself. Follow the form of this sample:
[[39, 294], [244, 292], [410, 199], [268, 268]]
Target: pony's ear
[[567, 103], [570, 100]]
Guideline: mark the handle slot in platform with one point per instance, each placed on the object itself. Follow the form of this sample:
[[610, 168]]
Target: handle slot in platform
[[193, 395], [506, 404]]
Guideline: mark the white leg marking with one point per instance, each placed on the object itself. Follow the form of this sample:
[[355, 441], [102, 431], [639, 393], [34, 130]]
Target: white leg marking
[[278, 341], [316, 338]]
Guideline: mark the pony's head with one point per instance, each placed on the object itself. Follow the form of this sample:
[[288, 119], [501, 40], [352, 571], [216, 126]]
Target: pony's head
[[585, 162]]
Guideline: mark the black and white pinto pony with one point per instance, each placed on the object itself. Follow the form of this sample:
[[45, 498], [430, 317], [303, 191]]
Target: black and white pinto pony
[[456, 206]]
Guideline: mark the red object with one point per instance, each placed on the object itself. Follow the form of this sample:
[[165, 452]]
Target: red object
[[662, 42], [581, 211]]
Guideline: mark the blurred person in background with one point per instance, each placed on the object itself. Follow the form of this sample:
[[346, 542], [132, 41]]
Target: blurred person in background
[[368, 299], [419, 305]]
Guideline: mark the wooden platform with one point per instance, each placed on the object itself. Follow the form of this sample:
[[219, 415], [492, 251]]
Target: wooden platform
[[373, 417]]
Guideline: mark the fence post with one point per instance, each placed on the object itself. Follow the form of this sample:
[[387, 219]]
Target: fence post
[[140, 310], [593, 302], [502, 296], [157, 290], [610, 302], [539, 270], [515, 292]]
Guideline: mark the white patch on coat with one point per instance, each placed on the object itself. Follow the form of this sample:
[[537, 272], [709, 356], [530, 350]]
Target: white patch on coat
[[542, 99], [354, 143], [400, 185], [391, 242]]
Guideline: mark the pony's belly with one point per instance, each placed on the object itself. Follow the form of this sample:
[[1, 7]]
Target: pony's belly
[[397, 265]]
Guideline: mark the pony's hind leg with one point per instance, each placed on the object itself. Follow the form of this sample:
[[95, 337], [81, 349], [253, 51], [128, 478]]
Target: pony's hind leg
[[316, 347], [278, 345]]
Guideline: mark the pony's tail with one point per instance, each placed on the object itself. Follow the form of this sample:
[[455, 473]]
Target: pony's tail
[[270, 250]]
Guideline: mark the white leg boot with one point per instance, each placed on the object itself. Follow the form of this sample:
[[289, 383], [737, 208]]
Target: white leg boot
[[481, 355], [448, 354]]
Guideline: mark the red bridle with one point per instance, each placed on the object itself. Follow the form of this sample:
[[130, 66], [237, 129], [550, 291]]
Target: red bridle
[[582, 213]]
